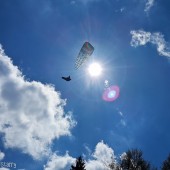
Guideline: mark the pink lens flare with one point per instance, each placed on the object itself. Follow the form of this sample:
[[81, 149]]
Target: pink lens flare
[[111, 93]]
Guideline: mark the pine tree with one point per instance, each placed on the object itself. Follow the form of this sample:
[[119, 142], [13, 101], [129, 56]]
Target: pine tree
[[80, 164], [166, 164]]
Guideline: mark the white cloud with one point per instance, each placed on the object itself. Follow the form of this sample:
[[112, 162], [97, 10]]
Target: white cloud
[[103, 152], [141, 37], [32, 113], [59, 162], [2, 155], [162, 47], [148, 5], [101, 158], [95, 165]]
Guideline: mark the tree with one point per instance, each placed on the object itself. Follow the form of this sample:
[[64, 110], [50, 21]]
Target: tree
[[166, 164], [114, 165], [133, 160], [80, 164]]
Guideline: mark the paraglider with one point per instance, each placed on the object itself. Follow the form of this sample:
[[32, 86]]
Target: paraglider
[[85, 52], [66, 78], [111, 93]]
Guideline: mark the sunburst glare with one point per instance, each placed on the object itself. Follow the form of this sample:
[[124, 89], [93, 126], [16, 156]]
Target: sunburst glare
[[95, 69]]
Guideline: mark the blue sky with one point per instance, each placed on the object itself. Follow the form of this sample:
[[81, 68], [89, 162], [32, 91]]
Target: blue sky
[[45, 122]]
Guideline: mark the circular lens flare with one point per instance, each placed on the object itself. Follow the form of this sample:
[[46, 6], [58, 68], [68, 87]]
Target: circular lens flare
[[111, 93], [95, 69]]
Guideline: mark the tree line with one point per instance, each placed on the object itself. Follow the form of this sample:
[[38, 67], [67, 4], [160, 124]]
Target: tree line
[[130, 160]]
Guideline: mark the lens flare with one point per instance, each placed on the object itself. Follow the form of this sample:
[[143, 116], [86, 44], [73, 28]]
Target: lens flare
[[111, 93]]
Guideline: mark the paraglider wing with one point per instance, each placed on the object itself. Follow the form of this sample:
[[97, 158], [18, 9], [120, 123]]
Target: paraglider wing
[[85, 52]]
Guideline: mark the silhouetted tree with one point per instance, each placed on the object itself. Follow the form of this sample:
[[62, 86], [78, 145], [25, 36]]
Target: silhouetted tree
[[134, 161], [114, 165], [80, 164], [166, 164]]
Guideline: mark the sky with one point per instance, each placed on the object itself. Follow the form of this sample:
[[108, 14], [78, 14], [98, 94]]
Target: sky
[[46, 122]]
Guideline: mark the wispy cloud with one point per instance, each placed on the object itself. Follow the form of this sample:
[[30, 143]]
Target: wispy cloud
[[122, 120], [32, 114], [102, 156], [73, 2], [122, 9], [120, 113], [148, 5], [87, 149], [88, 1], [140, 37]]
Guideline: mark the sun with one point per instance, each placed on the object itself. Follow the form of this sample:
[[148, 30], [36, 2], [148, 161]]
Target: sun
[[95, 69]]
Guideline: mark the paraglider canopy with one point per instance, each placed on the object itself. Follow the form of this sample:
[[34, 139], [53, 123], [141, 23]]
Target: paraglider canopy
[[85, 52], [111, 93]]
